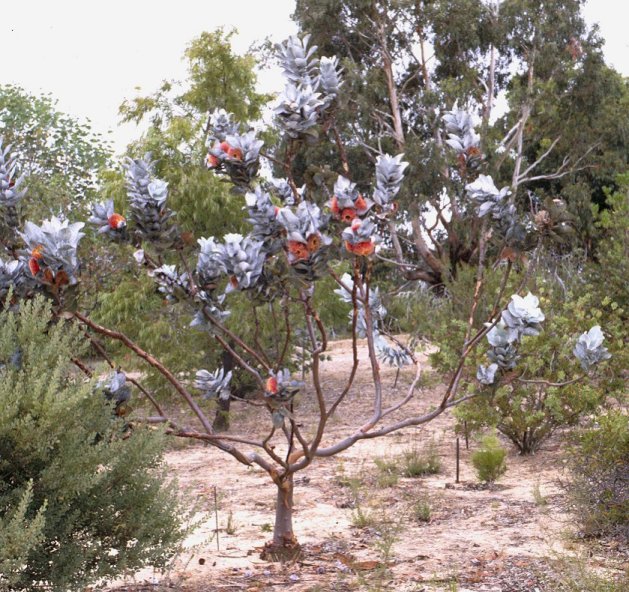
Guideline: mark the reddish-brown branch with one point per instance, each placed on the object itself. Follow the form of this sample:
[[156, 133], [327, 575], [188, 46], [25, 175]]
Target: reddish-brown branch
[[239, 342], [287, 337], [103, 354], [152, 361], [81, 366], [354, 368], [373, 359], [239, 360]]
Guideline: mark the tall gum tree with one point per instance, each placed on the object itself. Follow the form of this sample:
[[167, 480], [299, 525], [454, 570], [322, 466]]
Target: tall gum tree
[[532, 74]]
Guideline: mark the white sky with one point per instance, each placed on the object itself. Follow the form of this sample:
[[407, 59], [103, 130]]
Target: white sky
[[92, 55]]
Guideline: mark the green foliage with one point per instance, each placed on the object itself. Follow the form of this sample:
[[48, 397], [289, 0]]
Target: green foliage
[[61, 157], [20, 536], [178, 114], [81, 498], [136, 308], [576, 575], [612, 252], [598, 486], [489, 460], [422, 511], [388, 472], [418, 462], [550, 66], [527, 413]]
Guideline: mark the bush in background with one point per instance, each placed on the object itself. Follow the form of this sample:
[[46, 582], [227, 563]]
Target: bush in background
[[599, 476], [489, 460]]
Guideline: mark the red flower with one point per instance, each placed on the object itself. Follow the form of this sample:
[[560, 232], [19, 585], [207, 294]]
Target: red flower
[[235, 153], [271, 385], [48, 275], [334, 206], [61, 279], [360, 204], [33, 266], [116, 221], [36, 257], [348, 214], [364, 248], [298, 250]]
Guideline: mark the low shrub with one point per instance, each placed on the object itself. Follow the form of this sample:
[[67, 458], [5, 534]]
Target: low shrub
[[388, 472], [489, 460], [418, 462], [598, 485]]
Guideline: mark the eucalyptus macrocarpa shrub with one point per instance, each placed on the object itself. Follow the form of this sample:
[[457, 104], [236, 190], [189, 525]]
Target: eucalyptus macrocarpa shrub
[[295, 234]]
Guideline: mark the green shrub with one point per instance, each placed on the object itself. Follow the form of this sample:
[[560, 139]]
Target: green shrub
[[388, 472], [422, 511], [418, 462], [528, 413], [599, 476], [81, 497], [612, 252], [489, 460]]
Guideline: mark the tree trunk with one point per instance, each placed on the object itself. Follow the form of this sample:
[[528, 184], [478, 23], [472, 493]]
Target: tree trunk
[[221, 419], [284, 546]]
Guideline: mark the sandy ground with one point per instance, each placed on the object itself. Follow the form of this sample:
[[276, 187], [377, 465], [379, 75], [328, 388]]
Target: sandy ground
[[360, 535]]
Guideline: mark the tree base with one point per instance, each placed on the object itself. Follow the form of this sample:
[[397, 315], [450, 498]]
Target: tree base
[[288, 550]]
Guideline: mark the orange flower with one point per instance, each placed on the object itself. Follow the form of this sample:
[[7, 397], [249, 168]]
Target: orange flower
[[224, 146], [33, 266], [235, 153], [348, 214], [364, 249], [36, 257], [233, 280], [116, 221], [314, 242], [212, 161], [37, 253], [271, 385], [360, 204], [334, 206], [298, 250]]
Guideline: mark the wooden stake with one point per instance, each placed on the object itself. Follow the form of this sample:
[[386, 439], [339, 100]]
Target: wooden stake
[[458, 456]]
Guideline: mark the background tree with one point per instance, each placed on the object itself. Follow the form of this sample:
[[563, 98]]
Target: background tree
[[61, 156], [406, 61]]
